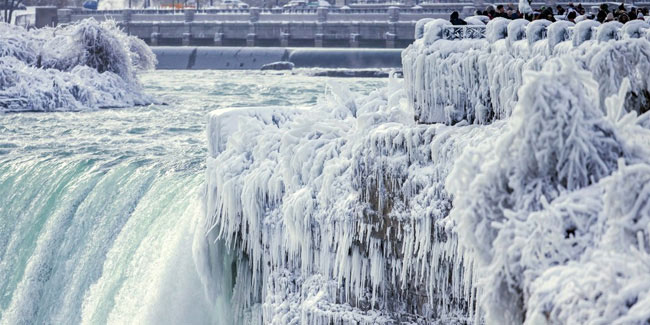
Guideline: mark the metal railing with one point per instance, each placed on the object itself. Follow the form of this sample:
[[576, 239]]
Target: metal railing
[[463, 32], [478, 32]]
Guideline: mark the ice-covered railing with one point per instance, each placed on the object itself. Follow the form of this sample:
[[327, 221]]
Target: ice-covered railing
[[464, 32], [81, 66], [454, 75]]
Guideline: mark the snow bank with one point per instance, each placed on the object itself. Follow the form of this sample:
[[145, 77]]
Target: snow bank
[[351, 212], [75, 67], [492, 71]]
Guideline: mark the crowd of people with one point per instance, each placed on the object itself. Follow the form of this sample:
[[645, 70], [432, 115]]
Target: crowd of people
[[572, 13]]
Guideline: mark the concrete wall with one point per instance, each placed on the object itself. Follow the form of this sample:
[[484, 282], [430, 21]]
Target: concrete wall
[[45, 16], [237, 58]]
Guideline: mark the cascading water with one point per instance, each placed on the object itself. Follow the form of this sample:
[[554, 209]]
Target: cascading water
[[100, 211]]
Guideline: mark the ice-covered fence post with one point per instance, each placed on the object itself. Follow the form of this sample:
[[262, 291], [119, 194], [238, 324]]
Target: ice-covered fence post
[[64, 16], [322, 14], [45, 16], [354, 40], [391, 37], [218, 39]]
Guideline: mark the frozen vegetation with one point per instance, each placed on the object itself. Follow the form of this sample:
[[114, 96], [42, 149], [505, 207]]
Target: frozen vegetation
[[75, 67], [524, 198]]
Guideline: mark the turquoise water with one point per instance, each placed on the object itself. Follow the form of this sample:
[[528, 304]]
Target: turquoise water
[[98, 209]]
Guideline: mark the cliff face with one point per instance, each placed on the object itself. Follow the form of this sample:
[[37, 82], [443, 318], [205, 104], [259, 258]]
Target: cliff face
[[527, 202]]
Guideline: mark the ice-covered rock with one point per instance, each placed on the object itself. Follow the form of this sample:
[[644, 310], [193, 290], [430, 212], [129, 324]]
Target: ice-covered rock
[[526, 203], [81, 66]]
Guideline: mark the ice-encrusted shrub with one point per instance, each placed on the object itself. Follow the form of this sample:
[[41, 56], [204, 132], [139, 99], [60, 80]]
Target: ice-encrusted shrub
[[617, 60], [73, 67], [102, 47], [608, 284], [16, 42], [26, 88], [558, 141]]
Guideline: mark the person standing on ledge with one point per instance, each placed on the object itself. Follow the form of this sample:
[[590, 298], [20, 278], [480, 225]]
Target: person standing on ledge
[[455, 20]]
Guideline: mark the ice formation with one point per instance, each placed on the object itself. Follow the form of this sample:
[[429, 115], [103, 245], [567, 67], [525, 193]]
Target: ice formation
[[527, 202], [478, 81], [75, 67]]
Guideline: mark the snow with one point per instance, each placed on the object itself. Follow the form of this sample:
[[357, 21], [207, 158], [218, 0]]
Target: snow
[[419, 27], [608, 31], [475, 20], [583, 31], [557, 33], [433, 30], [634, 29], [503, 181], [536, 31], [81, 66], [497, 29]]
